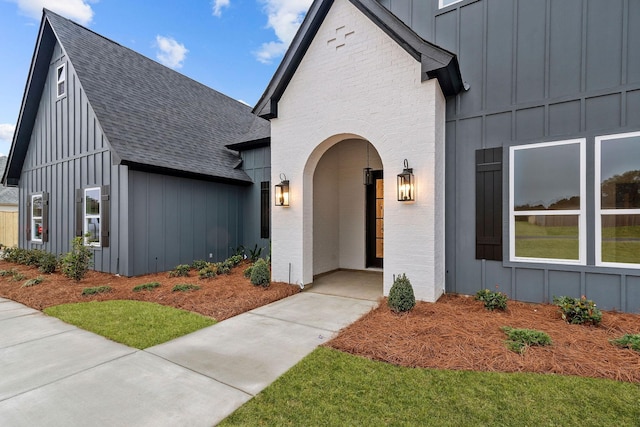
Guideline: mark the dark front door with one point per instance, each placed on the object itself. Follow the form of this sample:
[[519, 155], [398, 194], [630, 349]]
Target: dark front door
[[375, 221]]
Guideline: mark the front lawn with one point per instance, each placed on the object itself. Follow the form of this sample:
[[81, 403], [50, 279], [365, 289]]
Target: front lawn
[[134, 323], [331, 388]]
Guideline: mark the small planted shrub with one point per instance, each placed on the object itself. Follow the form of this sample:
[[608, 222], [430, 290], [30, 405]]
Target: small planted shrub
[[519, 339], [224, 267], [96, 290], [5, 273], [185, 287], [254, 253], [493, 300], [260, 274], [578, 311], [181, 270], [47, 263], [199, 264], [628, 341], [75, 264], [17, 276], [146, 286], [33, 282], [234, 260], [209, 271], [401, 296]]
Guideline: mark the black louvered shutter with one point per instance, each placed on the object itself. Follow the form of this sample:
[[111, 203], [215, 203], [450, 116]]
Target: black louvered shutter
[[27, 229], [45, 217], [104, 215], [489, 204], [79, 212]]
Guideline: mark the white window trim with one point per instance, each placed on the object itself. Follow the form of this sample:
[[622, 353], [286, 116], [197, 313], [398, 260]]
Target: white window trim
[[598, 201], [33, 218], [86, 216], [441, 4], [61, 78], [582, 219]]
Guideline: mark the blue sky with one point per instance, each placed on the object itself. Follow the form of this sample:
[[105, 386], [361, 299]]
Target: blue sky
[[233, 46]]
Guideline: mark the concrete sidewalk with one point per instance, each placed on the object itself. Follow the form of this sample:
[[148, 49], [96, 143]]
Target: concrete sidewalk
[[54, 374]]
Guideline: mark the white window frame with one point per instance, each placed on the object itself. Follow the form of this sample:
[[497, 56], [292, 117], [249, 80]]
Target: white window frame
[[61, 78], [598, 201], [582, 220], [86, 216], [34, 218], [441, 4]]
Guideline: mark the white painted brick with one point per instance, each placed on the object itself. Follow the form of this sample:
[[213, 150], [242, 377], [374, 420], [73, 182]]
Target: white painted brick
[[368, 89]]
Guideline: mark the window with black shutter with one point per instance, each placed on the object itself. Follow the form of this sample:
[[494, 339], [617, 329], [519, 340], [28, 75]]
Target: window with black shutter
[[489, 204]]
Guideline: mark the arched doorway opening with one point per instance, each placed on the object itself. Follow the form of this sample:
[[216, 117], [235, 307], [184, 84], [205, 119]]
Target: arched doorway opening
[[348, 220]]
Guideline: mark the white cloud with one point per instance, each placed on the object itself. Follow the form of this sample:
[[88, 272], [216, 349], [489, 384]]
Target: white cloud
[[6, 132], [218, 5], [170, 52], [76, 10], [285, 17], [244, 102]]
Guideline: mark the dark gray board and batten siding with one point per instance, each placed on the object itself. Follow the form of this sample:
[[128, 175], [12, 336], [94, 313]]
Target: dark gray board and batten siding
[[68, 151], [537, 70], [257, 164]]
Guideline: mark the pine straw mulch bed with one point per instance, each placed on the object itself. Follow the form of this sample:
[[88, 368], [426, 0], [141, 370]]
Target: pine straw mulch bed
[[458, 333], [221, 297]]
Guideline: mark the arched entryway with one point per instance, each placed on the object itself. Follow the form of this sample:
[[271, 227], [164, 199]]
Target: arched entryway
[[348, 218]]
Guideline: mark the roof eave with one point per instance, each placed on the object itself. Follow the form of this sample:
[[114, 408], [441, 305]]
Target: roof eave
[[142, 167]]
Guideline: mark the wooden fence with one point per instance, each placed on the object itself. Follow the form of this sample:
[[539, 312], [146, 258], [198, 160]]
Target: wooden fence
[[9, 228]]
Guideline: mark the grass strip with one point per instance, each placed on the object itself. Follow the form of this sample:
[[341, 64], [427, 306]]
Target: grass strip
[[330, 388], [134, 323]]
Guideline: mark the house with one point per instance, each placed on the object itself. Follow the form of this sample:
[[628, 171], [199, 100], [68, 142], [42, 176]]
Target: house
[[112, 145], [8, 212], [466, 143], [519, 123]]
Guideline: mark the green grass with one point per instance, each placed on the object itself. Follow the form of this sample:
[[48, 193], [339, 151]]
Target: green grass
[[134, 323], [628, 252], [561, 244], [330, 388]]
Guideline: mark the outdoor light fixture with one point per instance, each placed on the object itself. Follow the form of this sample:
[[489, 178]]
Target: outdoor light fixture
[[282, 191], [406, 184], [367, 176]]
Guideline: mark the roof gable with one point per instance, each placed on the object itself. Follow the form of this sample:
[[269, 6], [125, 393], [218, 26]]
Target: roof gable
[[435, 61], [153, 117]]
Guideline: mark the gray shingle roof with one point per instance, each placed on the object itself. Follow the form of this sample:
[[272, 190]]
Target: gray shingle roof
[[153, 116], [8, 196]]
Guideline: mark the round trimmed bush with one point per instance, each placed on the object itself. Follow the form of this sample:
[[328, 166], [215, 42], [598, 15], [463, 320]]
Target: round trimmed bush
[[401, 297], [260, 274]]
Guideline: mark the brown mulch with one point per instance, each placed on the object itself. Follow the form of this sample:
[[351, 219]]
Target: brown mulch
[[221, 297], [458, 333]]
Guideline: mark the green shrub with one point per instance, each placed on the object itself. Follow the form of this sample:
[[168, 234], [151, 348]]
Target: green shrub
[[96, 290], [185, 287], [247, 271], [254, 253], [17, 276], [146, 286], [223, 267], [5, 273], [47, 263], [181, 270], [209, 271], [14, 254], [75, 264], [628, 341], [199, 264], [578, 311], [260, 274], [33, 282], [401, 297], [519, 339], [234, 260], [492, 299]]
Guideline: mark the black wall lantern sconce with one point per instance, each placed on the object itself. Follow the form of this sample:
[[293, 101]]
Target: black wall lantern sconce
[[406, 184], [282, 191]]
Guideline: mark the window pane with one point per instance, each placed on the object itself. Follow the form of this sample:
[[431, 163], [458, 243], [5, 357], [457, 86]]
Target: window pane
[[92, 229], [37, 207], [620, 173], [547, 178], [92, 201], [621, 238], [547, 236], [37, 229]]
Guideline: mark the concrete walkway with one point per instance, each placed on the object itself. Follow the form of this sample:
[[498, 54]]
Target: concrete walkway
[[54, 374]]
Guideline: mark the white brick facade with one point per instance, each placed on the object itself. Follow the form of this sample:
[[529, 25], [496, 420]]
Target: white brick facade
[[355, 82]]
